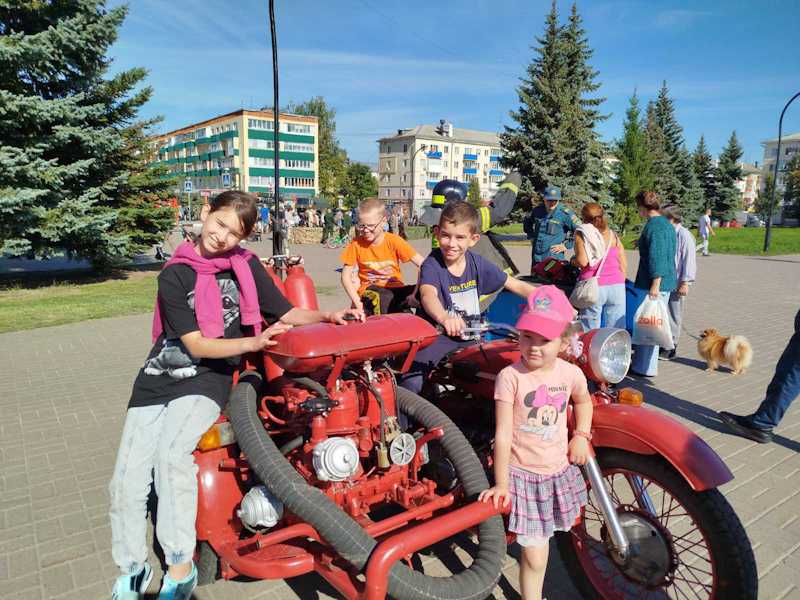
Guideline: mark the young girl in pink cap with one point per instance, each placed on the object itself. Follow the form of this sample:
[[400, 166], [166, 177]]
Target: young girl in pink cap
[[534, 465]]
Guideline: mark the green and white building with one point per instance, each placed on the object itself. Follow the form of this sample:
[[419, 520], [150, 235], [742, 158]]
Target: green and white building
[[236, 151]]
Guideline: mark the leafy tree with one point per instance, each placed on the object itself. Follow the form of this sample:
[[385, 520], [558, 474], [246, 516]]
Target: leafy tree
[[359, 184], [634, 171], [704, 170], [764, 198], [332, 157], [554, 141], [791, 190], [73, 162], [474, 193], [728, 198]]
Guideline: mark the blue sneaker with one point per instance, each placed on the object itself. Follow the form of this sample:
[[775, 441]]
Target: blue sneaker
[[178, 590], [132, 587]]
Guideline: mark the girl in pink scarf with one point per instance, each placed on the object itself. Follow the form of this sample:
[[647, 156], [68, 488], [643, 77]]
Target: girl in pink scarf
[[179, 393]]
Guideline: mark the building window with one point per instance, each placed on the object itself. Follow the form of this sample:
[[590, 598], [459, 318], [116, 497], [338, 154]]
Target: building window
[[467, 150], [298, 128], [434, 148], [445, 163], [405, 148], [303, 182], [291, 147], [405, 163], [455, 164], [446, 149], [298, 164], [260, 124], [257, 161], [403, 192], [260, 144], [388, 148], [403, 179]]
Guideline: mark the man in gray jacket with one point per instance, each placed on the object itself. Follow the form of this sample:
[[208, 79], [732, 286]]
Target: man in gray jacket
[[685, 269]]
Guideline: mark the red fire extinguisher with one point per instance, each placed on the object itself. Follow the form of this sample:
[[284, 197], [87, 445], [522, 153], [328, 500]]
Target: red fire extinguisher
[[300, 288]]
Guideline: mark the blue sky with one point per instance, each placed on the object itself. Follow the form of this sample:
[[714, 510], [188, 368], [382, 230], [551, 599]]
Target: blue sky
[[388, 65]]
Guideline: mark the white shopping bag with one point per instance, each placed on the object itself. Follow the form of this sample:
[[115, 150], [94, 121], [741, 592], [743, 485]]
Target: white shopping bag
[[651, 324]]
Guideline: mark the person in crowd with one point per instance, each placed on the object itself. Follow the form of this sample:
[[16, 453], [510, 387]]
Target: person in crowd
[[213, 296], [371, 275], [685, 271], [656, 273], [451, 282], [534, 463], [550, 226], [783, 389], [595, 241], [338, 220], [327, 224], [704, 230]]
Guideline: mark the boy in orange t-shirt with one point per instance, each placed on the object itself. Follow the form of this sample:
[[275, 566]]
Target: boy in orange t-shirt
[[371, 274]]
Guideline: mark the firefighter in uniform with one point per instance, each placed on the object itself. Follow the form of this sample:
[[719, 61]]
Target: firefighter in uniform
[[488, 246], [550, 227]]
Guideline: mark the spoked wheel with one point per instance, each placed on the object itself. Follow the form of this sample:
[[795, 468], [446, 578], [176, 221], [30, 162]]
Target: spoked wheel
[[685, 545]]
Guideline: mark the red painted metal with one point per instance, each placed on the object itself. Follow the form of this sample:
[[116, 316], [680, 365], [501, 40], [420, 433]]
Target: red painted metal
[[646, 431], [395, 547], [219, 493], [275, 277], [315, 347], [300, 288]]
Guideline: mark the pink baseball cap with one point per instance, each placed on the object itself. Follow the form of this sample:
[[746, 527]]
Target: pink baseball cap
[[548, 312]]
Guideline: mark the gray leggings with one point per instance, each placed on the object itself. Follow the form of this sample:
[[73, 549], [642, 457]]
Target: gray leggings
[[157, 444]]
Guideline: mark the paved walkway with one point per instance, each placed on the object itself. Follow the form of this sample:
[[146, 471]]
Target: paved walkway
[[63, 392]]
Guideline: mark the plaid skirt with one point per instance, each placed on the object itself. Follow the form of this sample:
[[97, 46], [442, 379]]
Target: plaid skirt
[[542, 504]]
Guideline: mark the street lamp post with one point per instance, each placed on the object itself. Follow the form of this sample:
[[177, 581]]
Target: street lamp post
[[768, 232], [413, 183]]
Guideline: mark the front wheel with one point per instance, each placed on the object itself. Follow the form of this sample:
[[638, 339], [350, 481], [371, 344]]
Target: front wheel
[[684, 544], [207, 564]]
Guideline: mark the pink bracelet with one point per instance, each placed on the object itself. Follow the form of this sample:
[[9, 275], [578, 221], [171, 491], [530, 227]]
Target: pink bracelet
[[582, 434]]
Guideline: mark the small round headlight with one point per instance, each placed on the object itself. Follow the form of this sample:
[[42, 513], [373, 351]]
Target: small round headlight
[[610, 354]]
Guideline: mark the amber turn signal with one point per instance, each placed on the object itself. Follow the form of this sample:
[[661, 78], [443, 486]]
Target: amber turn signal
[[220, 434], [630, 396]]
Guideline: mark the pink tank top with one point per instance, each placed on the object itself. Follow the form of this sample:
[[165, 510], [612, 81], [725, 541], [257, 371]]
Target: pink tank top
[[612, 271]]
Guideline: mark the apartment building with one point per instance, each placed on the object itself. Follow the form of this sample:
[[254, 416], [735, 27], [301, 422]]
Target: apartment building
[[412, 162], [749, 184], [236, 151], [790, 146]]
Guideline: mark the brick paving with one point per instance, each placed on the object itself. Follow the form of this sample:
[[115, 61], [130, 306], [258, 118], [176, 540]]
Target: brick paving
[[63, 392]]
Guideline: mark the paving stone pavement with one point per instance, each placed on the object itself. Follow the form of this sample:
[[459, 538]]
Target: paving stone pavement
[[63, 393]]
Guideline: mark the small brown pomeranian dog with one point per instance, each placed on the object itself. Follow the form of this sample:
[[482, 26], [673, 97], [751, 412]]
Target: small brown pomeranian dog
[[734, 351]]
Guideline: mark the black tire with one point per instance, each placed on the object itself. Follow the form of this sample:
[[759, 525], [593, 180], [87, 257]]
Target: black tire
[[207, 564], [736, 575]]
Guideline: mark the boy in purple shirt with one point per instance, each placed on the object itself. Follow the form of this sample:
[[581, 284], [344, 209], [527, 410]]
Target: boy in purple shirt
[[452, 281]]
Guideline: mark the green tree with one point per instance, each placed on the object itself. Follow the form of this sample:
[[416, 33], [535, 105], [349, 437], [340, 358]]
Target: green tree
[[474, 192], [704, 170], [692, 199], [727, 197], [554, 141], [791, 190], [359, 184], [634, 171], [73, 160], [764, 197], [664, 180], [332, 157]]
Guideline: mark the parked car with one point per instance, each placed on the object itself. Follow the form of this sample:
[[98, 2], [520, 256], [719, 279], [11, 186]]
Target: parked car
[[754, 221]]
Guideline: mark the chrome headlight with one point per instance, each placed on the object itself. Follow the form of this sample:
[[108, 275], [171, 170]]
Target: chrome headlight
[[610, 354]]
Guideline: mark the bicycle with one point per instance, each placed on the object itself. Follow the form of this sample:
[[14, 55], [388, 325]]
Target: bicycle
[[337, 241]]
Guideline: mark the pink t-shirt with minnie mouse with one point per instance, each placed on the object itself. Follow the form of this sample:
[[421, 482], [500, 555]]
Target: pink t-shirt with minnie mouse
[[539, 440]]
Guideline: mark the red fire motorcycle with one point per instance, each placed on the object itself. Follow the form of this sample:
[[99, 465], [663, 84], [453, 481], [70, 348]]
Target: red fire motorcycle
[[309, 469], [656, 525]]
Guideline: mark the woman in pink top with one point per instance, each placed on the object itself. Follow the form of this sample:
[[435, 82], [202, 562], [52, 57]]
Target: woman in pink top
[[532, 457], [592, 240]]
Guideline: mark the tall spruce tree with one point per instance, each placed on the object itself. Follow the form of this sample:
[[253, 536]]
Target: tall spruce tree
[[704, 170], [727, 197], [691, 201], [554, 141], [664, 180], [73, 160], [676, 184], [634, 171]]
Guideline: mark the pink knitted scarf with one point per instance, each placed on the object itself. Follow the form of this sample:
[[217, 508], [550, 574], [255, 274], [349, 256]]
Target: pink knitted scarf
[[207, 296]]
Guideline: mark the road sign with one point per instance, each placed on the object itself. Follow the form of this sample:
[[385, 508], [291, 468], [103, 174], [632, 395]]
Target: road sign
[[205, 193], [187, 186], [226, 180]]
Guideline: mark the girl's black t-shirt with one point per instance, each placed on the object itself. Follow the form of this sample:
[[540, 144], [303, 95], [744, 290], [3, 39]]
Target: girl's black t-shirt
[[170, 371]]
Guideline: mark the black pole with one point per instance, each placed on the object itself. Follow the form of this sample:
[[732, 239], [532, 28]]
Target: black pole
[[768, 232], [277, 228]]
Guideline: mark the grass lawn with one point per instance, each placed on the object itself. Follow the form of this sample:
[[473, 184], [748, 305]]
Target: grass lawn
[[23, 306], [747, 240]]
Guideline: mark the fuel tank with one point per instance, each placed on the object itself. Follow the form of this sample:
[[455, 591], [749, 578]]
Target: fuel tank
[[316, 347]]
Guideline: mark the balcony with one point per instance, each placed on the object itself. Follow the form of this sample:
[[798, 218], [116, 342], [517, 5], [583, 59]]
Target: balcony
[[434, 154], [470, 171], [496, 173], [470, 157], [494, 158], [431, 183]]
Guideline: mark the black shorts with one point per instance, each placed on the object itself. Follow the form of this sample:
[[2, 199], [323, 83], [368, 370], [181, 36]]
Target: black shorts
[[381, 300]]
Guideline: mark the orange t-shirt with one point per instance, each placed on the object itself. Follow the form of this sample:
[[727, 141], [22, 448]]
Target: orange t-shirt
[[539, 438], [378, 265]]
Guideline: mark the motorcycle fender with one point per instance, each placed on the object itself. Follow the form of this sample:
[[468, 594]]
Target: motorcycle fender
[[646, 431]]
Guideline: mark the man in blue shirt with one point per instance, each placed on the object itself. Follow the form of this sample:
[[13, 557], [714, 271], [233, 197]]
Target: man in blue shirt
[[550, 227]]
